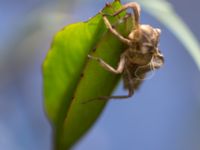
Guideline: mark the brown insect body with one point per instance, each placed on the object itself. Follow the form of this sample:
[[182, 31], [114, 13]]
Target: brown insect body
[[141, 56]]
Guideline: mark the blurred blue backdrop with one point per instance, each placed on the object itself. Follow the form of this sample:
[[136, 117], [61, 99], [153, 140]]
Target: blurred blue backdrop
[[164, 114]]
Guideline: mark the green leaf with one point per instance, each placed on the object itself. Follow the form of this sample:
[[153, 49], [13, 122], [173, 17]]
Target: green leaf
[[70, 78], [164, 12]]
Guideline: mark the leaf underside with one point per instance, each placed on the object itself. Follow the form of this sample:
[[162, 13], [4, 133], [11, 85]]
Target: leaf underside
[[70, 78]]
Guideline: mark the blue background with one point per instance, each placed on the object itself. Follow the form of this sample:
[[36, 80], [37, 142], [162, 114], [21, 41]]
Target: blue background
[[163, 114]]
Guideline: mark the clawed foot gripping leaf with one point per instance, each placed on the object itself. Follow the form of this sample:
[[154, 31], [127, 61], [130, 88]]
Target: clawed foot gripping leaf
[[70, 78]]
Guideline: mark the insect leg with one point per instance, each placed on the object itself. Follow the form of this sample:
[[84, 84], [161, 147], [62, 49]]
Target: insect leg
[[130, 90], [130, 93], [136, 10], [114, 31], [119, 69]]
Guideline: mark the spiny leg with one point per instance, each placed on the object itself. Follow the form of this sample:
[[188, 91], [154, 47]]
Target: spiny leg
[[105, 65], [130, 93], [114, 31], [130, 90], [136, 10]]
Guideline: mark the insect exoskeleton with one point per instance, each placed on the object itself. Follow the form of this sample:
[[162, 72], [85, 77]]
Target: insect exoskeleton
[[141, 56]]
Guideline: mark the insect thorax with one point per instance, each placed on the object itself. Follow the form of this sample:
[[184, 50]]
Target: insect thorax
[[144, 45]]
